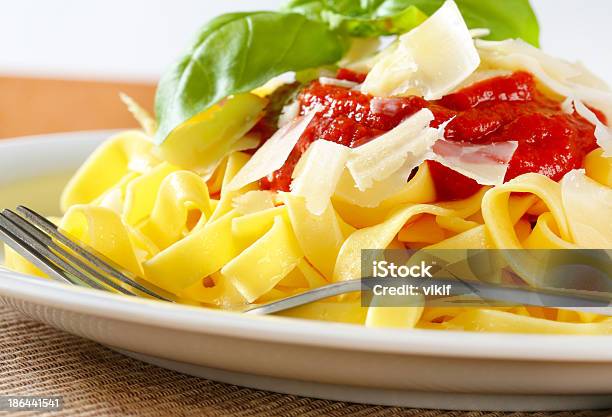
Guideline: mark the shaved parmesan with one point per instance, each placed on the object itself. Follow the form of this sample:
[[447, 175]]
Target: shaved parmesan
[[272, 154], [603, 133], [360, 52], [289, 113], [412, 152], [587, 78], [318, 174], [379, 191], [253, 202], [482, 75], [243, 144], [479, 32], [561, 77], [487, 164], [588, 206], [430, 61], [338, 83], [517, 49], [381, 157]]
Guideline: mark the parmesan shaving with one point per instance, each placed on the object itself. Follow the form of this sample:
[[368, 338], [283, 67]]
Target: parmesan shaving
[[517, 50], [486, 164], [603, 133], [385, 188], [243, 144], [338, 83], [289, 113], [380, 191], [587, 78], [588, 206], [253, 202], [318, 174], [272, 154], [381, 157], [410, 66], [482, 75], [479, 32], [560, 77]]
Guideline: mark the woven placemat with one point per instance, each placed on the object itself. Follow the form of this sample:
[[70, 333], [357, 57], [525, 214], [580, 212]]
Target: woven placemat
[[36, 359]]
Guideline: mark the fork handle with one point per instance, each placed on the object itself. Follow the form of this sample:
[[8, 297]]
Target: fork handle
[[308, 297], [484, 291]]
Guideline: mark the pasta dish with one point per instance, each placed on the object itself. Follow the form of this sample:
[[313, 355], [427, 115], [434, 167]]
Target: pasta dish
[[285, 143]]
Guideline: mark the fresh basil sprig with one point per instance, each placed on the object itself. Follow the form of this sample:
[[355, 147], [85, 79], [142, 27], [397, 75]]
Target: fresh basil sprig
[[236, 53], [366, 21], [505, 18]]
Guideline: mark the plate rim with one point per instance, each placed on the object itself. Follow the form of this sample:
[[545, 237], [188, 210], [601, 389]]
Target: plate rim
[[202, 320]]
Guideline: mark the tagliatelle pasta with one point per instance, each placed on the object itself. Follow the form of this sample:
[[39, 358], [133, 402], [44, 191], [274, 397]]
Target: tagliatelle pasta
[[231, 210], [175, 244], [244, 258]]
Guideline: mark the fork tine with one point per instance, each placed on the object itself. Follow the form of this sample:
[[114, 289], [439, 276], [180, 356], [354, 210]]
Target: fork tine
[[71, 260], [37, 259], [89, 254], [33, 250]]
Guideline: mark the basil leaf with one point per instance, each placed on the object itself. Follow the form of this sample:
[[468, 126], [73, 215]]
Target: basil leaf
[[506, 19], [236, 53], [359, 19], [361, 27], [312, 9]]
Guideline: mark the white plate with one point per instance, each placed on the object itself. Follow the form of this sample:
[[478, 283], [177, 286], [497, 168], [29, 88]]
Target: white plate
[[419, 368]]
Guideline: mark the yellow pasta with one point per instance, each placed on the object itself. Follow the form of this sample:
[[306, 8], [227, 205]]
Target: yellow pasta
[[320, 237], [159, 222], [496, 210], [248, 228], [140, 194], [395, 317], [265, 263], [129, 151], [234, 163], [181, 205], [380, 236], [16, 262], [166, 214], [176, 267]]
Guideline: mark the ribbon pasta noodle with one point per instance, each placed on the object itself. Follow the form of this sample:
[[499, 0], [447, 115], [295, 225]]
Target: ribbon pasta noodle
[[172, 215], [203, 251]]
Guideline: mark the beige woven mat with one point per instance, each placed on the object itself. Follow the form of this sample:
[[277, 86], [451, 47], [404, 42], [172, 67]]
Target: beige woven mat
[[38, 360]]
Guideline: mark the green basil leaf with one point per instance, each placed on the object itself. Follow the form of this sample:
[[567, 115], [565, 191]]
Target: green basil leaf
[[312, 9], [236, 53], [506, 19], [358, 19], [361, 27]]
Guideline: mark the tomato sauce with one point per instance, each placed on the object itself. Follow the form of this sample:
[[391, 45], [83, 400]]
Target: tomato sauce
[[507, 108]]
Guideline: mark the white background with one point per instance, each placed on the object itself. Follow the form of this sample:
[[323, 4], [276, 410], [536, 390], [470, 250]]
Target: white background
[[137, 39]]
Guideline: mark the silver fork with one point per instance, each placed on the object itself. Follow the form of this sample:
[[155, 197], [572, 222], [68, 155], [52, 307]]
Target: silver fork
[[66, 260]]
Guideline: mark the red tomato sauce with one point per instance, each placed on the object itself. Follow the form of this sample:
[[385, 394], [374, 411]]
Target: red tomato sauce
[[507, 108]]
